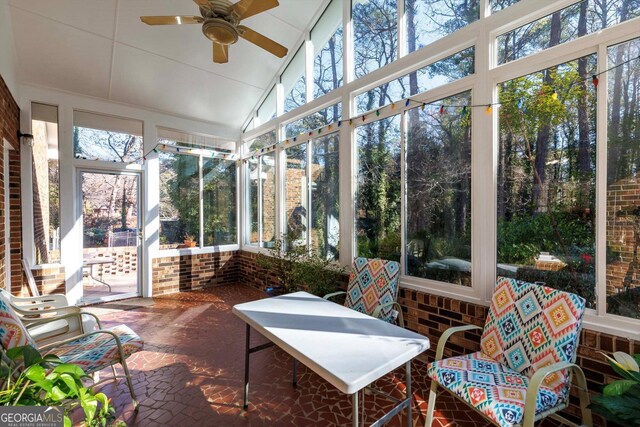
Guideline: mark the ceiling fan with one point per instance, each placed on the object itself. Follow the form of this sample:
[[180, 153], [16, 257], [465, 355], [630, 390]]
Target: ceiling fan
[[221, 24]]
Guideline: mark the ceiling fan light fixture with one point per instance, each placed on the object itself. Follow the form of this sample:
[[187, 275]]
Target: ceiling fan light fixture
[[220, 31]]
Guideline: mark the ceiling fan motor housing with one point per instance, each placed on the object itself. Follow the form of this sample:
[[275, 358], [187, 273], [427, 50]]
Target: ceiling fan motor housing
[[220, 31]]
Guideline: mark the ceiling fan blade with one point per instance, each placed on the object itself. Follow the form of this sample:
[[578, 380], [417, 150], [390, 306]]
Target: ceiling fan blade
[[262, 41], [220, 53], [171, 20], [246, 8], [202, 3]]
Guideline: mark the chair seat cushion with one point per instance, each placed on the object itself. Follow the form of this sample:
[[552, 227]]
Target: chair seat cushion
[[494, 389], [99, 350]]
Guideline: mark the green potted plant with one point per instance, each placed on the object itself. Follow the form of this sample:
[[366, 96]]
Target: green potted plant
[[28, 379], [620, 400], [295, 268]]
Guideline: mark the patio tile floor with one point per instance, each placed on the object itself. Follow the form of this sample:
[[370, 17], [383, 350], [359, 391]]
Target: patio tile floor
[[191, 371]]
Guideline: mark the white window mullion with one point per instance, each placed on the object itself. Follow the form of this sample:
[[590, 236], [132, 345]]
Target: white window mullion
[[308, 68], [402, 29], [309, 195], [403, 193], [260, 207], [601, 184], [201, 205]]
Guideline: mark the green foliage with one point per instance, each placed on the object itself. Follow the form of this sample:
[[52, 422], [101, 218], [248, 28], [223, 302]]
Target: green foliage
[[625, 303], [582, 284], [296, 269], [46, 381], [620, 400], [522, 238]]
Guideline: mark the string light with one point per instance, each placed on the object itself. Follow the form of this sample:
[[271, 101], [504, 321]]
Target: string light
[[406, 104], [442, 110], [339, 123], [489, 109], [423, 106], [595, 80], [393, 105], [554, 95], [377, 112]]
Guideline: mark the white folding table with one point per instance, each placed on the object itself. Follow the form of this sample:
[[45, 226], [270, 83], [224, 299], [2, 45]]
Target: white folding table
[[348, 349]]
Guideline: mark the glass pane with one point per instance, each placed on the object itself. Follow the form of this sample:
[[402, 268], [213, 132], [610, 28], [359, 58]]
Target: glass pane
[[378, 194], [585, 17], [46, 183], [314, 121], [326, 37], [439, 192], [268, 217], [219, 202], [546, 178], [437, 74], [179, 201], [294, 83], [262, 141], [497, 5], [325, 194], [253, 165], [296, 195], [267, 110], [375, 34], [430, 20], [623, 181], [107, 138]]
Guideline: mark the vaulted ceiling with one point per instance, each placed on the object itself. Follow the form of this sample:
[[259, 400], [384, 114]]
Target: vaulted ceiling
[[101, 49]]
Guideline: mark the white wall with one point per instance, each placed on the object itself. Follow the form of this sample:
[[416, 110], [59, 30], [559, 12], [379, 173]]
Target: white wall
[[8, 57], [70, 217]]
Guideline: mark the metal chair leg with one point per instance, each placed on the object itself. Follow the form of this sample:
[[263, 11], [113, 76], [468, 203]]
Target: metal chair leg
[[432, 403]]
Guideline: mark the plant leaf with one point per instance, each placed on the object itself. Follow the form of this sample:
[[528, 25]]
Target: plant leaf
[[71, 383], [68, 368], [67, 422], [57, 394], [31, 356], [35, 373], [617, 388]]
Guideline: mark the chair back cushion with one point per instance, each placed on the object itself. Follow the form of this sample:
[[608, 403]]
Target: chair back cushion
[[530, 326], [373, 282], [12, 331]]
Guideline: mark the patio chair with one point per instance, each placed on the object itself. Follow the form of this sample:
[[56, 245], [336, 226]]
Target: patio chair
[[524, 368], [373, 289], [92, 351]]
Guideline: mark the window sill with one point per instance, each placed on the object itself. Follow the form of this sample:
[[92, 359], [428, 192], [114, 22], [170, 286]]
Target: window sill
[[195, 251]]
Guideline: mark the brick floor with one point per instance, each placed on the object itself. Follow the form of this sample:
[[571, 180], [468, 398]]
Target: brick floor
[[191, 370]]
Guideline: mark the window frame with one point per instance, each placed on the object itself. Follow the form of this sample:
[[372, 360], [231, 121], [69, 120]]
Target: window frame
[[483, 35]]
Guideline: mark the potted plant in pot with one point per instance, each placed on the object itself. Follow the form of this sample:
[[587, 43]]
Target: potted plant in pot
[[189, 241], [620, 400]]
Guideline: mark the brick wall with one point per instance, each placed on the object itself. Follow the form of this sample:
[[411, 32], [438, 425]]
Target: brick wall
[[125, 257], [50, 280], [189, 272], [9, 126], [623, 224]]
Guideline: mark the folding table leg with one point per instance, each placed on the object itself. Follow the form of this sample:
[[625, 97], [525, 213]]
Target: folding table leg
[[355, 409], [409, 394], [246, 368], [295, 373]]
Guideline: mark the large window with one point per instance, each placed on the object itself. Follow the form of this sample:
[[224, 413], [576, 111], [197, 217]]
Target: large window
[[262, 199], [107, 138], [375, 34], [577, 20], [378, 195], [438, 174], [197, 193], [325, 200], [314, 121], [294, 82], [296, 207], [326, 37], [46, 183], [267, 110], [437, 74], [429, 20], [623, 182], [546, 178]]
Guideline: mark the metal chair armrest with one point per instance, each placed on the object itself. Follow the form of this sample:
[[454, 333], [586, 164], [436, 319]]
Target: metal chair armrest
[[78, 314], [536, 381], [333, 294], [447, 334]]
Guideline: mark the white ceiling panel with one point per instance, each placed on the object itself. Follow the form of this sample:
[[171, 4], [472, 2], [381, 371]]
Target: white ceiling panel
[[150, 81], [60, 56], [100, 48], [187, 44], [94, 16]]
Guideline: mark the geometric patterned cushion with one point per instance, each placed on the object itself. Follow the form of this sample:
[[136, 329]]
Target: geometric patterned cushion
[[373, 282], [12, 331], [492, 388], [99, 351], [530, 326]]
